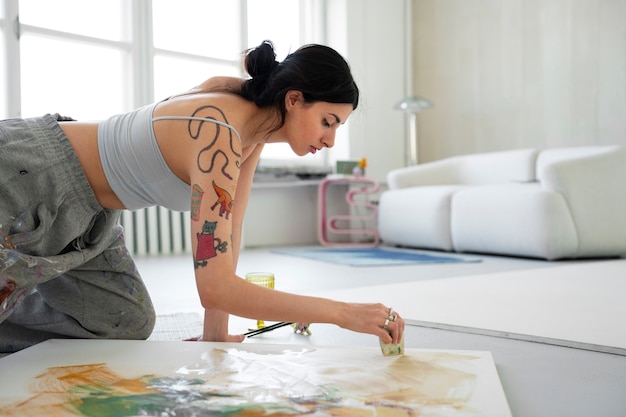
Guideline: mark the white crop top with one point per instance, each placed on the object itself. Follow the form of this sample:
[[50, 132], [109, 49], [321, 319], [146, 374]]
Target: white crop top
[[133, 163]]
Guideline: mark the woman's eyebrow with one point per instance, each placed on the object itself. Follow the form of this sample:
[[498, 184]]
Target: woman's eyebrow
[[337, 119]]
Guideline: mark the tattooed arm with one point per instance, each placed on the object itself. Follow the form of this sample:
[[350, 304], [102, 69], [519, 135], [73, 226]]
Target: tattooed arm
[[216, 321], [215, 175], [219, 177]]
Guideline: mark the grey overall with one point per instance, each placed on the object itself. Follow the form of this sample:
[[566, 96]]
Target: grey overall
[[65, 271]]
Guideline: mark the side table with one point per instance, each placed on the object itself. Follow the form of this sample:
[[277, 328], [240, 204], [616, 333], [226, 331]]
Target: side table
[[326, 223]]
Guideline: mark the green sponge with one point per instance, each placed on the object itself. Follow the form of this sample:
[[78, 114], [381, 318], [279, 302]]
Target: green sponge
[[392, 349]]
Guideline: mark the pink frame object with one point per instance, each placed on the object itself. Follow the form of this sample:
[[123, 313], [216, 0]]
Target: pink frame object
[[326, 223]]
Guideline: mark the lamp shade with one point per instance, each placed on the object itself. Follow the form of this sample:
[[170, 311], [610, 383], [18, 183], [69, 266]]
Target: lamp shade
[[413, 104]]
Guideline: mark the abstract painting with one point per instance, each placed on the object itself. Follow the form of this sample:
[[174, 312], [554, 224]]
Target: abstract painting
[[132, 378]]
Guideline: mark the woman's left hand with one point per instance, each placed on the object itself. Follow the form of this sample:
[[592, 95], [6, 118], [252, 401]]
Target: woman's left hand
[[232, 338]]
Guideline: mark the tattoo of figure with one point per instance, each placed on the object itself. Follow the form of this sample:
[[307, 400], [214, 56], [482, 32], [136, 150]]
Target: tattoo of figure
[[208, 245], [224, 200], [196, 201], [194, 128]]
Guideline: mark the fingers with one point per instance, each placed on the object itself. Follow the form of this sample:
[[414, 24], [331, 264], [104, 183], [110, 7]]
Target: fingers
[[399, 330], [381, 321], [238, 338], [393, 325]]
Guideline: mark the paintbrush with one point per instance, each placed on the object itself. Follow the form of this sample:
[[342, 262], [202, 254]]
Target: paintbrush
[[267, 329]]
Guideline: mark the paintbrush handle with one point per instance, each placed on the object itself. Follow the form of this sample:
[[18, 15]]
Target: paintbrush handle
[[267, 329]]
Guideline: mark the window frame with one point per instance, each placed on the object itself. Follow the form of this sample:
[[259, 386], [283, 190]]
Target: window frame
[[136, 43]]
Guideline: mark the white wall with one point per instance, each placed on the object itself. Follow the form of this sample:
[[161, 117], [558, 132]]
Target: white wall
[[502, 74], [371, 35], [519, 73], [281, 214]]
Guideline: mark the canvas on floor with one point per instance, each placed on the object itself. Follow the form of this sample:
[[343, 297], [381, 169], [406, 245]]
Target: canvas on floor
[[127, 378]]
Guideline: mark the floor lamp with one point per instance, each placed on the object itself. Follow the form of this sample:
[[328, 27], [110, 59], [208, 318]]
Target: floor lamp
[[412, 106]]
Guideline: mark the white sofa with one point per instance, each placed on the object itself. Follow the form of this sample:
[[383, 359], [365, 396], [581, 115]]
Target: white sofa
[[550, 204]]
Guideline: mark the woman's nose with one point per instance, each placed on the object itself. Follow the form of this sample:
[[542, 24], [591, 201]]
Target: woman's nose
[[329, 140]]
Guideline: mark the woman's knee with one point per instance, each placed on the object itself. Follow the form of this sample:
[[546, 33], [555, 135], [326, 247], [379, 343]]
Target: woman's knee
[[139, 326], [106, 304], [126, 315]]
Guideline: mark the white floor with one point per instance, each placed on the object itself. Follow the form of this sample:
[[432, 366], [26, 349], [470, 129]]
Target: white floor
[[171, 282], [566, 302], [578, 305]]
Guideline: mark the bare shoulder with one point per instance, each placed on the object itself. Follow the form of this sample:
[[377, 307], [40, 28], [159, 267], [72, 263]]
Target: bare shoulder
[[220, 84], [194, 135], [223, 107]]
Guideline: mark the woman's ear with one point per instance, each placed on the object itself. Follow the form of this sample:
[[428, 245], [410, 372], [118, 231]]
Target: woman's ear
[[293, 97]]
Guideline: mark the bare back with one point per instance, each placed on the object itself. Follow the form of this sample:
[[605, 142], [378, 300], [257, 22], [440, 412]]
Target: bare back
[[176, 140]]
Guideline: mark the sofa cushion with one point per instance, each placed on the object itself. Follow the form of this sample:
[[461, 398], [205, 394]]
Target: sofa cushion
[[515, 219], [417, 216]]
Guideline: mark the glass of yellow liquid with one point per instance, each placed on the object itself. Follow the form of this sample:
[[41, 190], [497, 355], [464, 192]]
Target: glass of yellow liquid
[[264, 279]]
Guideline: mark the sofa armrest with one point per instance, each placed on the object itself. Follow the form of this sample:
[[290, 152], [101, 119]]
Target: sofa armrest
[[594, 189]]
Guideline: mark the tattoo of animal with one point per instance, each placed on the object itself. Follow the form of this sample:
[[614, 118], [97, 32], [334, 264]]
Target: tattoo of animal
[[194, 127], [224, 200], [208, 245]]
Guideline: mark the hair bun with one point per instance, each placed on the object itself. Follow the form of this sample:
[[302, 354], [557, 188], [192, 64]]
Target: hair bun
[[261, 60]]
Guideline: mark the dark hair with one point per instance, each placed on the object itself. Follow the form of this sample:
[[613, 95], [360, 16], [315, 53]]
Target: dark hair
[[318, 71]]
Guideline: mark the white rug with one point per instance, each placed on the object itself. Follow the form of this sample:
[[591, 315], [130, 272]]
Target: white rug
[[578, 305], [180, 326]]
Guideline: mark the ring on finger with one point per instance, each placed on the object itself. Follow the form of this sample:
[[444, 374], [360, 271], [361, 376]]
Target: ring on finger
[[386, 324], [392, 317]]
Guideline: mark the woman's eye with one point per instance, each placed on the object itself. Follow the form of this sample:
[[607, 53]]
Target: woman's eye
[[326, 123]]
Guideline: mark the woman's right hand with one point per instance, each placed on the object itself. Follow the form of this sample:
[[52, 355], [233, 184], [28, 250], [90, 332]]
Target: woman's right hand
[[376, 319]]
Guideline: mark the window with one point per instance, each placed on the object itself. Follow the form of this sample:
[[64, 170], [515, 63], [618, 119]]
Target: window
[[92, 18], [194, 40], [264, 23], [72, 65], [199, 27], [110, 56], [85, 86]]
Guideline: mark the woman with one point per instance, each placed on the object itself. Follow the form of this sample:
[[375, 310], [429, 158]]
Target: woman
[[64, 267]]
